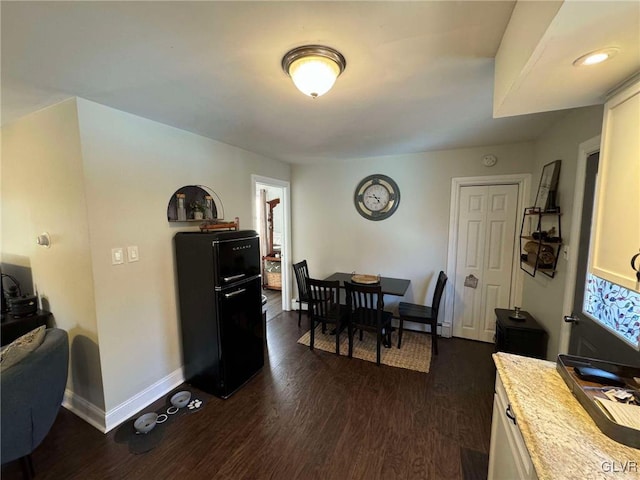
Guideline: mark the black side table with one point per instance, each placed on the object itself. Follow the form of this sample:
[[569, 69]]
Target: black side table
[[522, 337], [14, 327]]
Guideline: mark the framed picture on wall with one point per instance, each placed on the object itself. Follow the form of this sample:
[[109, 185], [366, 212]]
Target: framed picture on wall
[[547, 190]]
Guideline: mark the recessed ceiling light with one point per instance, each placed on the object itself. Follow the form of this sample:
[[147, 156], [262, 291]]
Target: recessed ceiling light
[[595, 57]]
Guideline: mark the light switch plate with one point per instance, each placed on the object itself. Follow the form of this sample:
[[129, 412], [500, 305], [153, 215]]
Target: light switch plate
[[132, 253], [117, 256]]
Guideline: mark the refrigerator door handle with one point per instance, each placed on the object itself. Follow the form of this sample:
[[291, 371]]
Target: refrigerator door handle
[[233, 294], [234, 277]]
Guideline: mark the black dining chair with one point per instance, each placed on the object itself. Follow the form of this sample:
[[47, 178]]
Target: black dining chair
[[365, 305], [324, 307], [424, 314], [302, 273]]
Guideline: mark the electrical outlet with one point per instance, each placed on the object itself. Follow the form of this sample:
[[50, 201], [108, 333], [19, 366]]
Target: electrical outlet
[[132, 253], [117, 256]]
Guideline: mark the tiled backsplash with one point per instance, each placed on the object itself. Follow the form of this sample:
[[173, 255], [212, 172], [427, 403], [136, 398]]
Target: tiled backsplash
[[615, 307]]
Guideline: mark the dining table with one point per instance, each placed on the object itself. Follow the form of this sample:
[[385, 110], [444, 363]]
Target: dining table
[[390, 286]]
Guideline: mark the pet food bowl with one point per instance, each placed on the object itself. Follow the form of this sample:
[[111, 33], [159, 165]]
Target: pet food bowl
[[146, 422], [181, 399]]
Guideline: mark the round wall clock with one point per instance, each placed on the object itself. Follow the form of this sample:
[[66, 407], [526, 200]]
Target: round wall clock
[[376, 197]]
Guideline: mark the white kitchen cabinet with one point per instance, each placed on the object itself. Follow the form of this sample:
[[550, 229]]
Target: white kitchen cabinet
[[616, 227], [508, 456]]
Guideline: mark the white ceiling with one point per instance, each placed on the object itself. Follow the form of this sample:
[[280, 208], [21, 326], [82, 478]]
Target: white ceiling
[[419, 76]]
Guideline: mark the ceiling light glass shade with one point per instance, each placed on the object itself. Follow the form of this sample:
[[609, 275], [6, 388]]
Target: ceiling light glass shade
[[313, 68], [314, 76], [598, 56]]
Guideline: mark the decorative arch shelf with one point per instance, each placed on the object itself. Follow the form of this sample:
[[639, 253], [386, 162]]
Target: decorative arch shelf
[[189, 199]]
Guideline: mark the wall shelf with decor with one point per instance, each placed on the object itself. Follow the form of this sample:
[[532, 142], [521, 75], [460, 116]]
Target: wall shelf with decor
[[540, 241], [195, 203]]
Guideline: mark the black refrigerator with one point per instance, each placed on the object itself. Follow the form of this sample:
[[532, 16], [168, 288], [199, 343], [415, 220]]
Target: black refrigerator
[[220, 308]]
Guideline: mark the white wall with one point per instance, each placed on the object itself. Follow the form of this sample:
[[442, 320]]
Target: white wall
[[542, 296], [412, 243], [43, 190], [98, 178], [132, 168]]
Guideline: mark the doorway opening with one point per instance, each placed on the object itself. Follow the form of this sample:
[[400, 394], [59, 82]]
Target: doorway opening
[[271, 220]]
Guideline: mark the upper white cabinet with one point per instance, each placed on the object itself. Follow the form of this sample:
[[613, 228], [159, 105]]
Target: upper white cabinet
[[616, 228]]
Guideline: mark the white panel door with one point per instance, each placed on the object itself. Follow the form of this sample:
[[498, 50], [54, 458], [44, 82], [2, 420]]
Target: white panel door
[[486, 238]]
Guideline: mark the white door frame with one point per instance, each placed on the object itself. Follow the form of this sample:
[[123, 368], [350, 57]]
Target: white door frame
[[523, 180], [286, 226], [584, 150]]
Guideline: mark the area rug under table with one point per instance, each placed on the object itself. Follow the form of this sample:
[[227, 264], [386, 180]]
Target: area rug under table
[[415, 353]]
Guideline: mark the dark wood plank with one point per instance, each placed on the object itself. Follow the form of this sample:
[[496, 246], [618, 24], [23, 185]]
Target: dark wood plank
[[475, 465], [307, 414], [274, 303]]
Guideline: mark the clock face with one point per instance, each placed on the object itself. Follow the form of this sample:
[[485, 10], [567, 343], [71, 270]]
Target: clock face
[[377, 197]]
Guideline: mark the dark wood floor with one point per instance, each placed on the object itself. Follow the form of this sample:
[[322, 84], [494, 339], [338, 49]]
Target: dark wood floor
[[306, 415], [274, 302]]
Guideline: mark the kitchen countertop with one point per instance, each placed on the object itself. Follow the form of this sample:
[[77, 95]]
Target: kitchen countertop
[[562, 439]]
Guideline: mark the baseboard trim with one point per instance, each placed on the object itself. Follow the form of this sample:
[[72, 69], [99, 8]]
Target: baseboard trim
[[87, 411], [128, 408], [444, 330], [294, 305], [107, 421]]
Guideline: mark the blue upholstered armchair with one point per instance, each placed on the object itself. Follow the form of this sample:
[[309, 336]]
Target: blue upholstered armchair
[[31, 395]]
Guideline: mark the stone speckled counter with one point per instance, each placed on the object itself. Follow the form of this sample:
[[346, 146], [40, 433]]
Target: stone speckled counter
[[562, 439]]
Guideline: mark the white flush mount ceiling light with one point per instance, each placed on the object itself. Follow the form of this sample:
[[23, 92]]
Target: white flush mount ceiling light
[[313, 68], [595, 57]]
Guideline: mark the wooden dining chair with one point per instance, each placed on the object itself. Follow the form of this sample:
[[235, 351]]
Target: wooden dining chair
[[302, 273], [365, 305], [424, 314], [324, 307]]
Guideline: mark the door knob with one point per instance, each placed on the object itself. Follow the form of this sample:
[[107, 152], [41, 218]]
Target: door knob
[[571, 319]]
